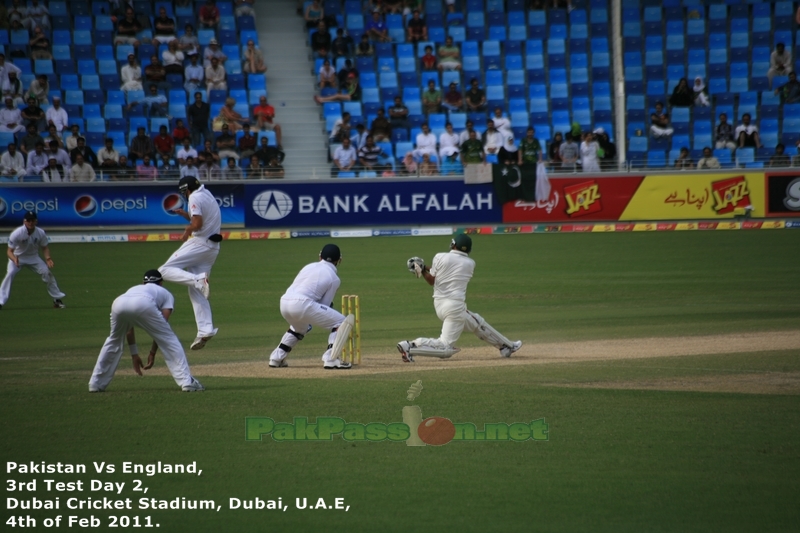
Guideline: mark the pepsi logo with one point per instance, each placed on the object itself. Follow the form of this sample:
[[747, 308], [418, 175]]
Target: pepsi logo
[[172, 202], [3, 208], [85, 206]]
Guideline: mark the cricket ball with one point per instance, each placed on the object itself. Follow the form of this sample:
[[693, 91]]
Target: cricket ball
[[436, 431]]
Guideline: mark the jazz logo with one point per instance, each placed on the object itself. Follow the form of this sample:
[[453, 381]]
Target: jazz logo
[[583, 198], [730, 194]]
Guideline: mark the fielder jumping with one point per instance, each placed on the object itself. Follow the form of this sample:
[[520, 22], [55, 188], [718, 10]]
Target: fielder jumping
[[308, 301], [449, 275], [24, 244], [191, 264], [149, 307]]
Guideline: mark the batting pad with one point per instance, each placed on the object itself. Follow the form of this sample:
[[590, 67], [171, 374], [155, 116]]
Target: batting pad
[[477, 325], [427, 351], [342, 334]]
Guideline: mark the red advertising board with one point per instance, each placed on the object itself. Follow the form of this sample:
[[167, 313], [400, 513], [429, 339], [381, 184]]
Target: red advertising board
[[576, 199]]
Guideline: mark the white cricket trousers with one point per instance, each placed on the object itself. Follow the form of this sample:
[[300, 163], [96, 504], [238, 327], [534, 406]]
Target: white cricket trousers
[[196, 256], [302, 313], [455, 319], [36, 264], [141, 312]]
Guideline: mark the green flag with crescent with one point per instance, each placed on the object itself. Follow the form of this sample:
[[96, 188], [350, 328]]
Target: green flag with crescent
[[514, 182]]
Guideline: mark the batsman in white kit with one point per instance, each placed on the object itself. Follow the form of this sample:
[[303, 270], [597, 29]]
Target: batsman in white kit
[[308, 301], [191, 264], [449, 275], [24, 244], [147, 306]]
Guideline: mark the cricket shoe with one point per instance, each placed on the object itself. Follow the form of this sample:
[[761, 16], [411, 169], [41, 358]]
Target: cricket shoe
[[58, 304], [200, 342], [404, 348], [203, 286], [96, 389], [337, 364], [194, 386], [278, 364], [506, 351]]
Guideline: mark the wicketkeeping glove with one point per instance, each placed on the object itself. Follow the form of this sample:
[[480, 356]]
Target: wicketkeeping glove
[[416, 265]]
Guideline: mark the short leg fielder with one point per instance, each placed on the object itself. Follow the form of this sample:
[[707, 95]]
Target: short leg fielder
[[139, 312], [191, 265], [301, 315], [37, 265]]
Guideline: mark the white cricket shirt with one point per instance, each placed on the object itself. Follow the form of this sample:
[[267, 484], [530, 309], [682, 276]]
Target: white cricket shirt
[[317, 282], [203, 203], [452, 271], [161, 296], [27, 245]]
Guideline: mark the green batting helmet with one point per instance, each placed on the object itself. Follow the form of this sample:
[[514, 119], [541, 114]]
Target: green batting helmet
[[462, 243]]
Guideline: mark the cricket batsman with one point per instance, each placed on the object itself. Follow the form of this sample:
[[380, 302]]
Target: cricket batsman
[[449, 275]]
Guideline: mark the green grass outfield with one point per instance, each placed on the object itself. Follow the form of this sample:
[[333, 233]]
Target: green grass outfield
[[617, 459]]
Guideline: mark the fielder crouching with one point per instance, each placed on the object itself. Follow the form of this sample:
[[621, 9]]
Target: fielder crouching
[[307, 302], [147, 306], [449, 275]]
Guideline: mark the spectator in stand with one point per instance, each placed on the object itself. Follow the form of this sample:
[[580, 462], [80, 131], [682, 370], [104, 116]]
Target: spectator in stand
[[345, 157], [198, 115], [273, 169], [790, 91], [154, 104], [72, 141], [40, 89], [364, 48], [209, 15], [12, 88], [381, 127], [267, 153], [530, 150], [122, 171], [253, 59], [186, 152], [780, 62], [448, 142], [84, 151], [608, 159], [33, 114], [173, 58], [314, 14], [780, 159], [167, 169], [747, 133], [5, 68], [321, 41], [341, 128], [376, 29], [568, 153], [344, 73], [131, 75], [213, 50], [342, 45], [54, 149], [38, 15], [189, 44], [37, 160], [156, 74], [682, 95], [163, 143], [190, 169], [146, 171], [52, 135], [244, 8], [27, 144], [247, 142], [207, 153], [54, 173], [232, 171], [209, 170], [352, 92], [428, 167], [327, 75], [228, 116], [684, 161], [416, 29], [509, 152], [255, 171], [425, 142], [708, 161], [660, 122], [359, 139], [369, 155], [428, 60], [82, 171], [16, 15], [40, 45], [398, 114], [393, 6], [724, 136], [264, 115], [464, 135], [493, 140], [180, 132], [226, 144], [193, 74], [700, 93], [164, 32], [216, 77], [476, 97], [449, 56], [127, 29], [431, 99], [11, 117], [501, 123], [141, 145], [107, 157], [472, 149], [12, 163]]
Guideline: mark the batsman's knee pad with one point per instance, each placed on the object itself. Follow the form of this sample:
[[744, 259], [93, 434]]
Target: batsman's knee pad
[[297, 334], [290, 340]]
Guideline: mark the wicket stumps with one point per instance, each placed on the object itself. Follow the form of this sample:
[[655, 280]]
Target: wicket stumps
[[351, 353]]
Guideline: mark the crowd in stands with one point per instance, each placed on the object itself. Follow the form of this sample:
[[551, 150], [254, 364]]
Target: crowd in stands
[[177, 116]]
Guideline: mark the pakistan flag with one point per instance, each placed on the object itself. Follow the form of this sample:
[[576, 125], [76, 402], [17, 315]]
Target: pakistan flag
[[514, 182]]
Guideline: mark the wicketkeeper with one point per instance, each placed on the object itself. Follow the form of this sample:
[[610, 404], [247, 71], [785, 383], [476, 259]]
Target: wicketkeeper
[[449, 275]]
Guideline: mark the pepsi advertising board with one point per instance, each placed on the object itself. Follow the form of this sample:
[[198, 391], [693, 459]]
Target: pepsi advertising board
[[109, 205], [368, 202]]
